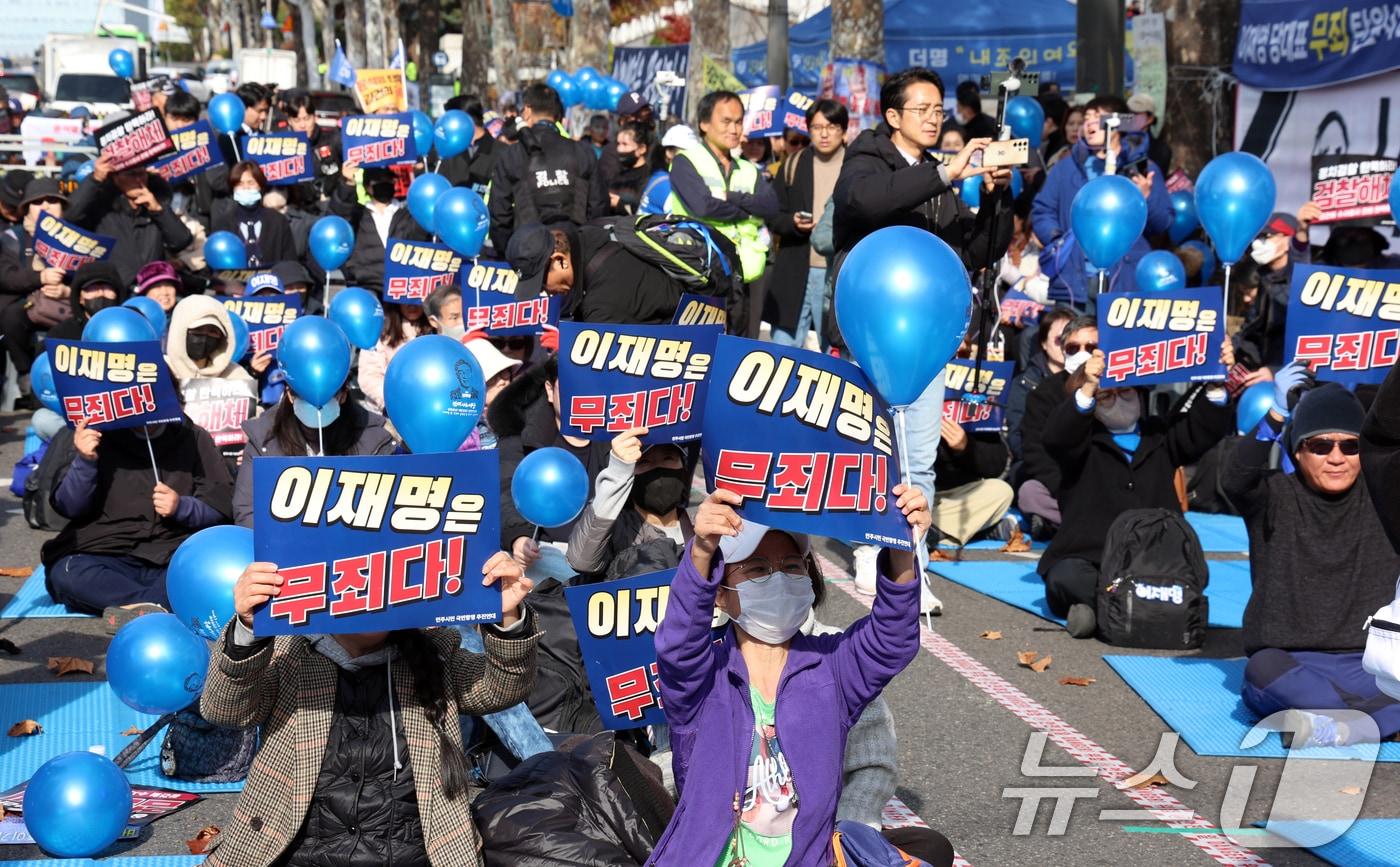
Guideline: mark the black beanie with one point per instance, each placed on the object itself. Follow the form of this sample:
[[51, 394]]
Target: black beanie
[[1329, 408]]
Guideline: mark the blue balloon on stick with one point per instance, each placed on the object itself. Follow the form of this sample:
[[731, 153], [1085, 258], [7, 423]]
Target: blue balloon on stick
[[550, 487], [77, 804], [1184, 217], [226, 113], [422, 133], [462, 220], [1234, 197], [331, 241], [122, 63], [1160, 271], [41, 381], [224, 251], [1026, 117], [453, 133], [434, 392], [239, 339], [359, 314], [903, 302], [1255, 403], [118, 325], [149, 308], [201, 576], [315, 355], [423, 194], [1108, 214], [156, 665]]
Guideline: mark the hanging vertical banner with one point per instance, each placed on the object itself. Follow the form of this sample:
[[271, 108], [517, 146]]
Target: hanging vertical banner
[[1344, 322], [616, 622], [113, 385]]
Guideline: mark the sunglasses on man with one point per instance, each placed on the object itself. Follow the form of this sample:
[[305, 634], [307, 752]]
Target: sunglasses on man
[[1351, 446], [514, 344]]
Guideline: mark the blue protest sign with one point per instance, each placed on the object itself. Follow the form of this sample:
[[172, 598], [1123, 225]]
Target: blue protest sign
[[413, 269], [978, 403], [614, 378], [616, 622], [112, 385], [1344, 322], [1149, 338], [266, 316], [795, 111], [193, 155], [1297, 44], [373, 543], [1017, 306], [488, 303], [378, 139], [804, 440], [284, 157], [763, 115], [65, 246], [696, 309]]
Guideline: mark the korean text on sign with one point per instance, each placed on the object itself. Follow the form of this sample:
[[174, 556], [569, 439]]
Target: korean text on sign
[[66, 247], [113, 385], [284, 157], [614, 378], [489, 303], [976, 399], [375, 542], [616, 624], [266, 316], [1344, 322], [413, 269], [804, 440], [695, 309], [1159, 337], [378, 140], [762, 115], [193, 153], [134, 140], [220, 406]]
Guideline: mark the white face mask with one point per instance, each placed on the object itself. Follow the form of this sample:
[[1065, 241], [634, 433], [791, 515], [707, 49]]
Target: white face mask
[[1120, 415], [308, 414], [247, 198], [774, 610], [1265, 250], [1076, 361]]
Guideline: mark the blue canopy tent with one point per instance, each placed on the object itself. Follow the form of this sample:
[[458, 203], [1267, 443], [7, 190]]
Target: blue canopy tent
[[960, 43]]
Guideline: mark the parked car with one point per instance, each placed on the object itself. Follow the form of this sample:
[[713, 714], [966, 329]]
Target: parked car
[[100, 94], [221, 76], [22, 84], [189, 79]]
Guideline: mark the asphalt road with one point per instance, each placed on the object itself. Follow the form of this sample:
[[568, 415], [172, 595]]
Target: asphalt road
[[959, 747]]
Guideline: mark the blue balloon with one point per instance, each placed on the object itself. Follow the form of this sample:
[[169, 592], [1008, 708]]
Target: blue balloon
[[122, 63], [224, 251], [972, 188], [1026, 118], [201, 575], [565, 8], [1160, 271], [422, 198], [315, 355], [226, 113], [1255, 403], [1184, 218], [434, 393], [570, 91], [1208, 262], [81, 173], [595, 93], [550, 487], [422, 133], [359, 314], [240, 336], [903, 302], [615, 92], [453, 133], [586, 74], [118, 325], [42, 384], [77, 804], [149, 308], [1108, 214], [461, 220], [558, 79], [156, 665], [1234, 196], [1395, 197], [331, 241]]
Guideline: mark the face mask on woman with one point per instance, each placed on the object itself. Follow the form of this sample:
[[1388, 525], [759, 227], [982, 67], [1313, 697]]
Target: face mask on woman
[[773, 610], [314, 418], [247, 198], [1120, 415], [660, 490], [101, 302]]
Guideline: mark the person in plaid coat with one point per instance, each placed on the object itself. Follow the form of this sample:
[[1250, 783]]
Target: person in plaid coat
[[342, 766]]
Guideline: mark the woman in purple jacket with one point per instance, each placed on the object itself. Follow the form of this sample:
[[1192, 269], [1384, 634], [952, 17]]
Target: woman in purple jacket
[[759, 718]]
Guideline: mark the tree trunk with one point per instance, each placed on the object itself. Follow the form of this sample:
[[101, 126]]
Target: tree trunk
[[306, 19], [355, 32], [393, 30], [1200, 111], [858, 30], [374, 34], [778, 43], [504, 58], [588, 36], [476, 47], [709, 38], [429, 32], [328, 37]]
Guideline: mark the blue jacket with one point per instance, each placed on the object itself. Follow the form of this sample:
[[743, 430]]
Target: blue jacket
[[1050, 219], [827, 682]]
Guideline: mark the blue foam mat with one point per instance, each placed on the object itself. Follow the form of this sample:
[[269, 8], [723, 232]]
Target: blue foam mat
[[1219, 533], [32, 600], [1367, 843], [116, 861], [1016, 583], [1200, 699], [78, 716]]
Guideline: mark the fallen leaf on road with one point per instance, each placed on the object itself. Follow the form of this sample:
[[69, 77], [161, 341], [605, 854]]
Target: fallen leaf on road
[[25, 727], [1017, 544], [1350, 790], [16, 571], [9, 647], [1076, 681], [1040, 665], [201, 840], [61, 665], [1026, 657], [1154, 780], [992, 635], [134, 730]]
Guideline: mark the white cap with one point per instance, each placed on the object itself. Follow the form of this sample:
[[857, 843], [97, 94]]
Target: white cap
[[742, 546], [491, 359], [680, 136], [1142, 103]]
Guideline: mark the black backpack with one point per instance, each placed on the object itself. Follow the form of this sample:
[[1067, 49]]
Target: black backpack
[[553, 189], [1152, 583], [38, 509]]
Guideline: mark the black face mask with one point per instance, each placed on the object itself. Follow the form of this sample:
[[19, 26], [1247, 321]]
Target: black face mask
[[201, 346], [660, 490], [627, 161], [101, 302], [382, 192]]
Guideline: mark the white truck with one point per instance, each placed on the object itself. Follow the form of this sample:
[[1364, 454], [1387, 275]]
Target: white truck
[[76, 72], [267, 66]]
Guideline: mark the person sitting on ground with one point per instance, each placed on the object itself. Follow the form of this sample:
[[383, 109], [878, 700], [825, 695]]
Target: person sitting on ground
[[1039, 474], [200, 343], [132, 206], [971, 500], [22, 274], [1319, 561], [95, 286], [1047, 359], [159, 282], [1114, 458]]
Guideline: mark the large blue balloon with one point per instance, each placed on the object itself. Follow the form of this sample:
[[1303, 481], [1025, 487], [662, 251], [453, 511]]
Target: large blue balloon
[[201, 575], [615, 91], [550, 487], [315, 355], [156, 665], [122, 63], [1255, 403], [595, 93], [1395, 197], [586, 74], [41, 382], [1160, 271], [224, 251], [453, 133], [1026, 118], [226, 112], [903, 302], [118, 325], [1184, 218], [359, 314], [149, 308], [559, 79], [331, 241], [434, 393], [423, 194], [1234, 197], [1208, 262], [77, 804], [461, 220], [422, 133], [570, 91], [240, 336], [1108, 214]]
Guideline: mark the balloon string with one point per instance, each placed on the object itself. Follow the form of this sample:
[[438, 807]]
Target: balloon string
[[155, 471], [901, 442], [320, 435]]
